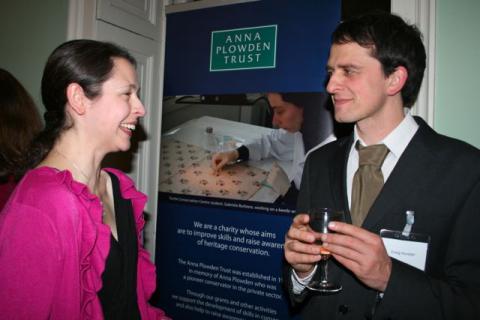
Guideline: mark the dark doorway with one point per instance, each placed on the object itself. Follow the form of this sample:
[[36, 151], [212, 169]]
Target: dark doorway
[[351, 8]]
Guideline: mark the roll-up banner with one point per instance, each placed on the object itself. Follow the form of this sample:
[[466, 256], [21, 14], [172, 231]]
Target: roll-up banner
[[245, 79]]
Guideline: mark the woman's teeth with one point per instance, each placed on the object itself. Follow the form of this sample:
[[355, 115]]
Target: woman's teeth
[[128, 126]]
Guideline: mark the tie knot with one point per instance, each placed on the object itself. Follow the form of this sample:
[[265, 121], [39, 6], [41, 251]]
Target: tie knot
[[373, 155]]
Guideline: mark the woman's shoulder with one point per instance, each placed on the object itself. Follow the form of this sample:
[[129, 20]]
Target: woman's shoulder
[[49, 185], [127, 185], [122, 177], [45, 179], [129, 191]]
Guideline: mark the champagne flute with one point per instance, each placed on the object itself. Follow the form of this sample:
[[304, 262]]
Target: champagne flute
[[319, 220]]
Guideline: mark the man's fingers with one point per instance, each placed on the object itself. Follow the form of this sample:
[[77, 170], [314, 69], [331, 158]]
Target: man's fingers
[[353, 231], [300, 219], [337, 240], [300, 231], [303, 247], [347, 252], [301, 256]]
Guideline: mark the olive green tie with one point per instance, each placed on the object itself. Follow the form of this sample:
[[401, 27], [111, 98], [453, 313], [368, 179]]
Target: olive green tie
[[367, 181]]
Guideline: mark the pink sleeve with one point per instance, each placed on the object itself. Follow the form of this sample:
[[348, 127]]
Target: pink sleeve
[[146, 283], [30, 262]]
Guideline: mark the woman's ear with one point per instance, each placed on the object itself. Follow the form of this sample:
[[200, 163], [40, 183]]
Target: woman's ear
[[76, 98], [396, 80]]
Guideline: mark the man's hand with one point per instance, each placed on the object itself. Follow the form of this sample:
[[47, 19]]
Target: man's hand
[[300, 249], [360, 251], [220, 159]]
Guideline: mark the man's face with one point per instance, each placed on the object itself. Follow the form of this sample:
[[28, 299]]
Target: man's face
[[286, 115], [357, 84]]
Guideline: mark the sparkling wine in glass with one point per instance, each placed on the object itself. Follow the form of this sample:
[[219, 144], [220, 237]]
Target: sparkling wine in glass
[[319, 220]]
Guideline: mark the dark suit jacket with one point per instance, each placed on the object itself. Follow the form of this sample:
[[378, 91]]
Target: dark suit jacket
[[437, 177]]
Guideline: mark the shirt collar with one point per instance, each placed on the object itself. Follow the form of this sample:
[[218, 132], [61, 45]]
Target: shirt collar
[[397, 140]]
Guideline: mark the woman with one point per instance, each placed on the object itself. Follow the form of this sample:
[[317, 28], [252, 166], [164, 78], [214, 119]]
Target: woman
[[19, 123], [70, 233], [304, 124]]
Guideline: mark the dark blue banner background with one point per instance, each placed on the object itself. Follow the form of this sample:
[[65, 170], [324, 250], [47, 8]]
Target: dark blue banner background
[[204, 266], [303, 41]]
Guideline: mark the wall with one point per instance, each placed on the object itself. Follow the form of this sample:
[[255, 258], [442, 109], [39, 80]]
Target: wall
[[457, 97], [29, 31]]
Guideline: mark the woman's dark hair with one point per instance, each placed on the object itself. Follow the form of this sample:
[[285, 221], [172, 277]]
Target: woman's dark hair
[[19, 123], [88, 63], [392, 42], [317, 122]]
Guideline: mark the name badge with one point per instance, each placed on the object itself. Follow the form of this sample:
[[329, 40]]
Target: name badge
[[410, 248]]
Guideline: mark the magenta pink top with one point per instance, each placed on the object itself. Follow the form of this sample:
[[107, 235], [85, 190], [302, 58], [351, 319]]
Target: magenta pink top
[[53, 248]]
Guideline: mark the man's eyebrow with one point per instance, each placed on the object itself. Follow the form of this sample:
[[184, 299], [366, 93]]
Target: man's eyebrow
[[343, 66]]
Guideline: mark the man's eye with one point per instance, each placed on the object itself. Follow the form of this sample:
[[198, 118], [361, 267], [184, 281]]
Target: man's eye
[[349, 71]]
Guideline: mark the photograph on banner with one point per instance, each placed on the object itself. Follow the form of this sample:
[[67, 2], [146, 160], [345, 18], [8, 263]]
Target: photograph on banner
[[248, 147]]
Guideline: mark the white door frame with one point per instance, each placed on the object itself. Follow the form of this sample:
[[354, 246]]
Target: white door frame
[[423, 14]]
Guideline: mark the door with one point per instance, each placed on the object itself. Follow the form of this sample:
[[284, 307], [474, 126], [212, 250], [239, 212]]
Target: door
[[138, 16]]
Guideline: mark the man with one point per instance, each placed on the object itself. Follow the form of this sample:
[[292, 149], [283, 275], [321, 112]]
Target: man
[[375, 68], [297, 115]]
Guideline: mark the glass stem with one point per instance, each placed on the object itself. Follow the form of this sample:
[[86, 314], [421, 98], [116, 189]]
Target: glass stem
[[324, 270]]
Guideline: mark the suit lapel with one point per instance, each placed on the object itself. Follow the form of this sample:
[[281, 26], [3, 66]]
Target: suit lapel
[[414, 162], [338, 177]]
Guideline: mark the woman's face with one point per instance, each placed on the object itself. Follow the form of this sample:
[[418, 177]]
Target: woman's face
[[286, 115], [117, 109]]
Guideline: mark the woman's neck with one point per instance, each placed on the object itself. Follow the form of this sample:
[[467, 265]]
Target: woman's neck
[[80, 161]]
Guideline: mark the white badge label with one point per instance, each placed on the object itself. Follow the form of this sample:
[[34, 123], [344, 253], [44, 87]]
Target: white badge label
[[410, 252]]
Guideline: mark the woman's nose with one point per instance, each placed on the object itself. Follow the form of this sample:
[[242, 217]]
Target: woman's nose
[[139, 108], [275, 121]]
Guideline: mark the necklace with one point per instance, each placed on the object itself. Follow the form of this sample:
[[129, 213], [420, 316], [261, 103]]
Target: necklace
[[84, 175], [73, 164]]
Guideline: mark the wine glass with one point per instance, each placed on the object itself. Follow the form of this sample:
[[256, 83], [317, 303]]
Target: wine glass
[[319, 220]]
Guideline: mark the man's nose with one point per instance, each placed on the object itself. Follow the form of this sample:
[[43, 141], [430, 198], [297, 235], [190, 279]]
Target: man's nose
[[332, 84]]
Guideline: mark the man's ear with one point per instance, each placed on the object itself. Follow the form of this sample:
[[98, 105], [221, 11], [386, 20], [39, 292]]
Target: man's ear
[[76, 98], [396, 80]]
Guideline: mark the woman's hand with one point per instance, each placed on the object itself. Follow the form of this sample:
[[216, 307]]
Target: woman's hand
[[220, 159]]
